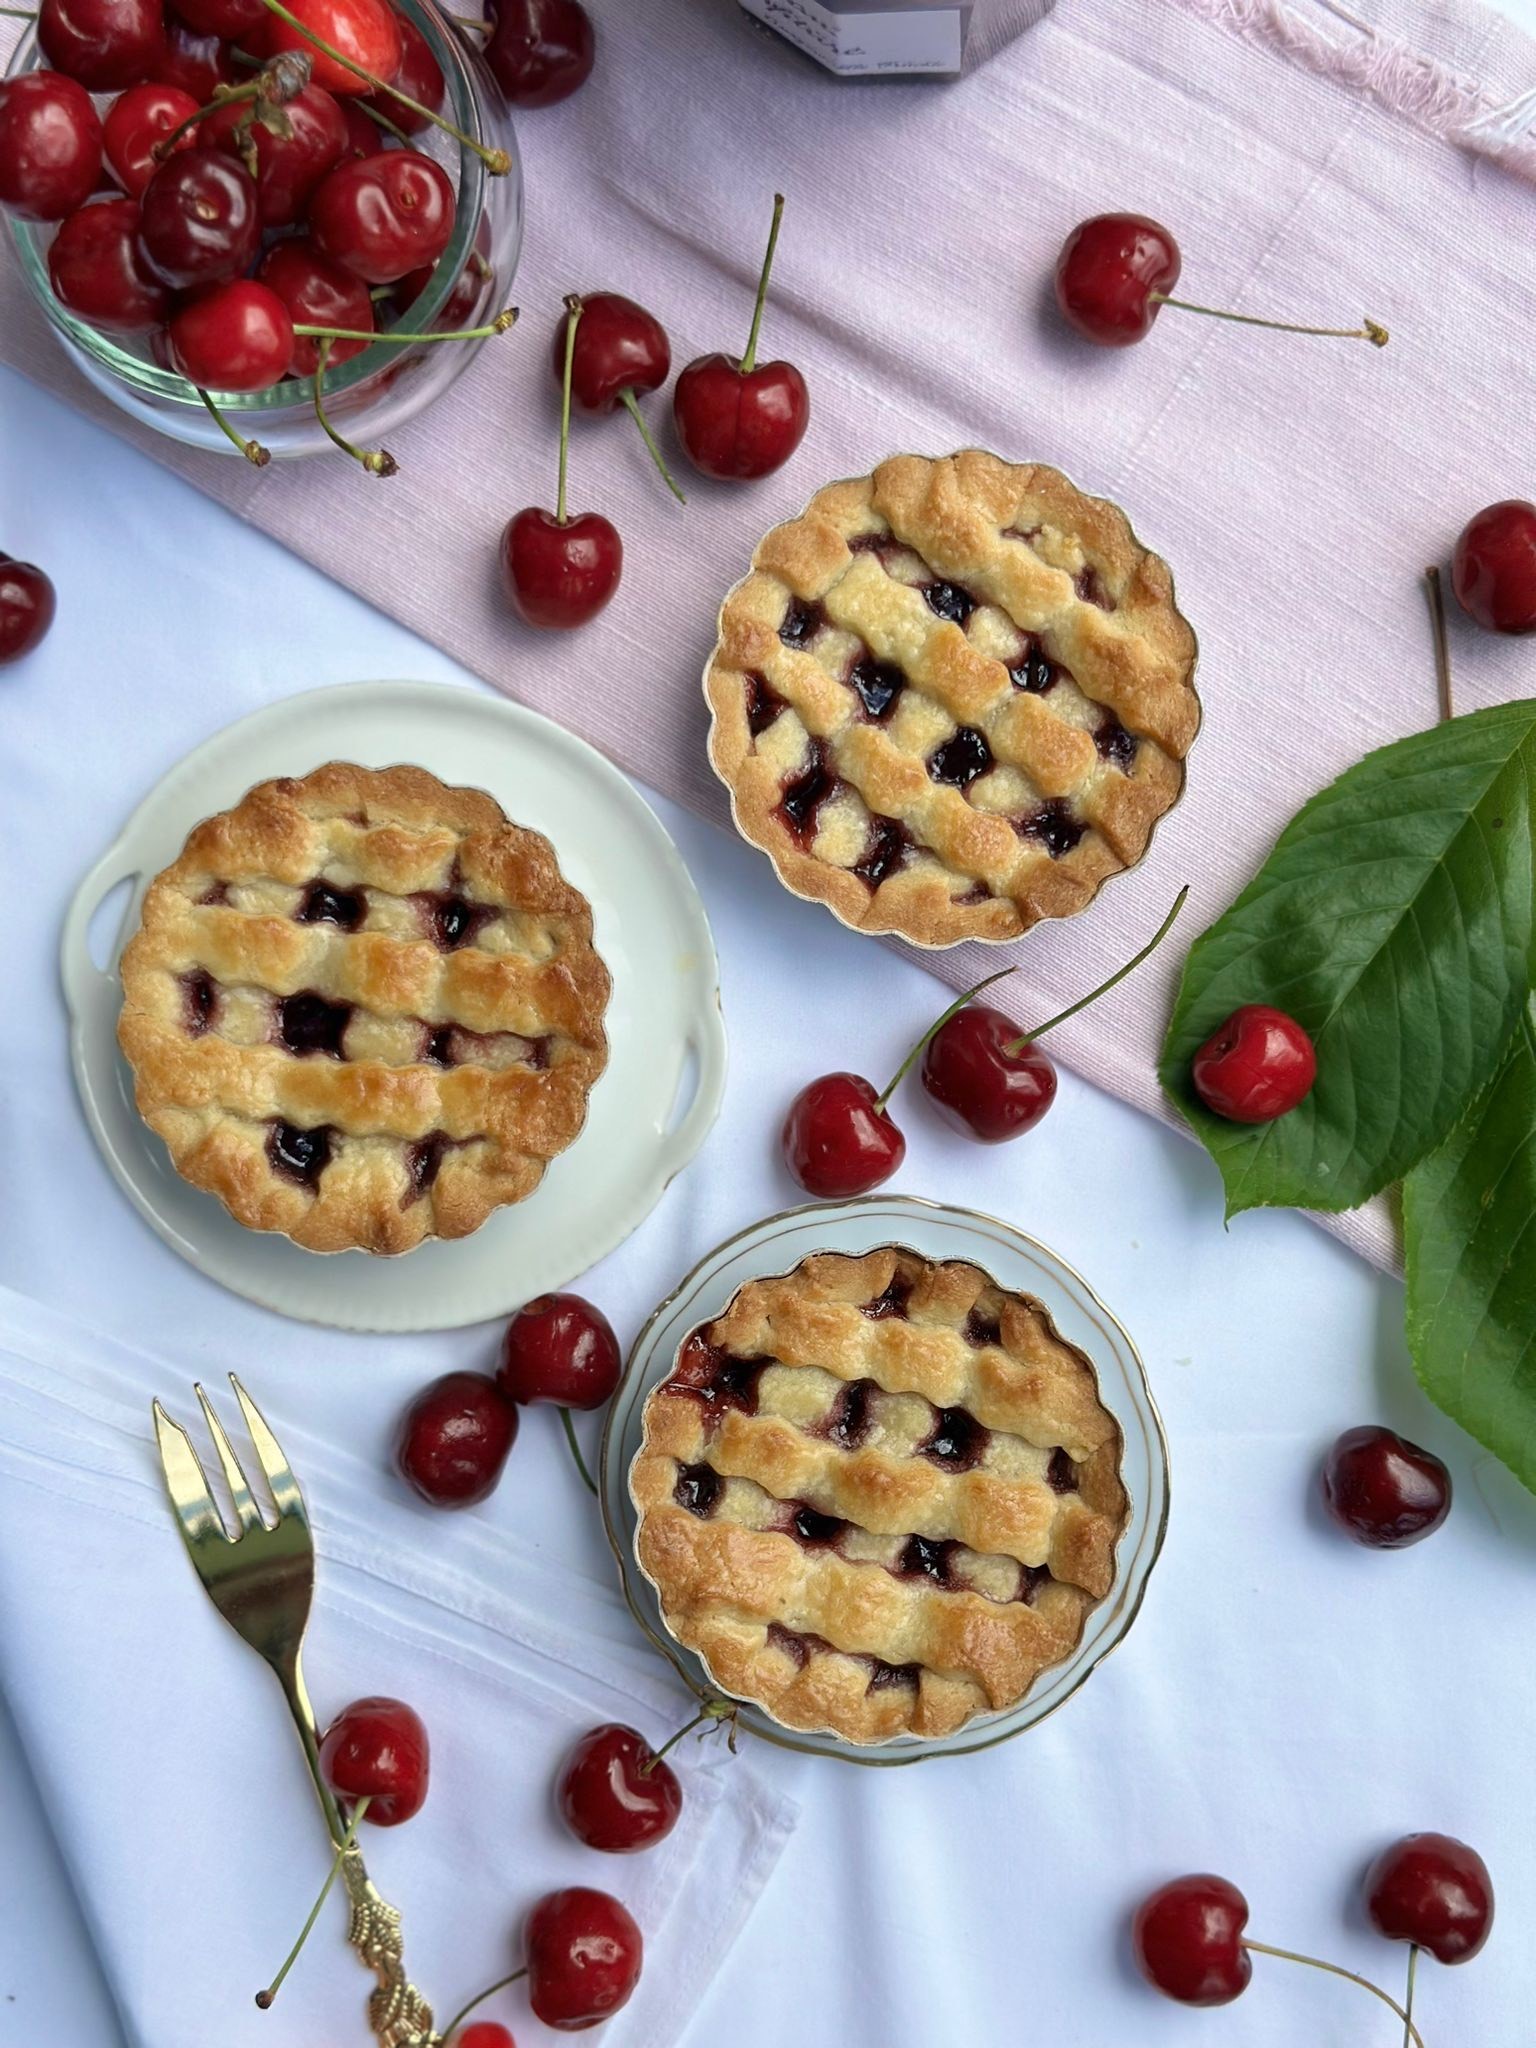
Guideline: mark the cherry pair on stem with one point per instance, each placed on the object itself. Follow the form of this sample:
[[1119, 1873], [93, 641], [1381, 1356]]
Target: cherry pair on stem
[[1428, 1890], [454, 1439]]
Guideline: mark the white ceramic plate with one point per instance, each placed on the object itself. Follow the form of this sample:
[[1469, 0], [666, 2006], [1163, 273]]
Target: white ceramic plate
[[663, 1021], [940, 1232]]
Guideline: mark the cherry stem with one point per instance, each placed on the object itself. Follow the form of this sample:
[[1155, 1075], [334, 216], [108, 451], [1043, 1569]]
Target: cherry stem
[[496, 161], [1442, 644], [938, 1024], [749, 360], [382, 121], [572, 320], [1289, 1955], [264, 1998], [20, 13], [278, 83], [1370, 330], [480, 1997], [474, 21], [638, 417], [1413, 1971], [1104, 987], [570, 1436], [717, 1711], [253, 451], [377, 461], [392, 334]]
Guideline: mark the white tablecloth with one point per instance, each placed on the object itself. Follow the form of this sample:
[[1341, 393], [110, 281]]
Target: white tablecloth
[[1286, 1701]]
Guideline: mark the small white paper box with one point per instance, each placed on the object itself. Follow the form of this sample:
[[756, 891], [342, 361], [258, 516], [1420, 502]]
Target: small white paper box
[[871, 38]]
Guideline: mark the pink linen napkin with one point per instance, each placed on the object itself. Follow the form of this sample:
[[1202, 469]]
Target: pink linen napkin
[[1313, 168]]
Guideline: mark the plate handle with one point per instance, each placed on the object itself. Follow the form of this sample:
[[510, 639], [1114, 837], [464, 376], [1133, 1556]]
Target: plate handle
[[77, 969], [706, 1041]]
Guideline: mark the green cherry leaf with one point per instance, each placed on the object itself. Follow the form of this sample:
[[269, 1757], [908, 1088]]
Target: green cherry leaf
[[1394, 920], [1469, 1219]]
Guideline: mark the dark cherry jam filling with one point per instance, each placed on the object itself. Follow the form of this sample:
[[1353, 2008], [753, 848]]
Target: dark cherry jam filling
[[848, 1419], [1115, 744], [980, 1329], [200, 1001], [1028, 534], [809, 1526], [978, 892], [878, 684], [324, 905], [307, 1023], [452, 920], [800, 805], [958, 1441], [303, 1155], [802, 621], [763, 703], [1091, 590], [893, 1302], [1034, 672], [797, 1644], [1061, 1473], [438, 1048], [698, 1489], [923, 1557], [963, 756], [716, 1378], [883, 1676], [423, 1161], [950, 601], [215, 893], [1054, 826], [887, 849], [1031, 1578]]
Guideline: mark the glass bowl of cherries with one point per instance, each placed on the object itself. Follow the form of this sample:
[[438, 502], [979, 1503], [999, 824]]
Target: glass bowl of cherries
[[264, 228]]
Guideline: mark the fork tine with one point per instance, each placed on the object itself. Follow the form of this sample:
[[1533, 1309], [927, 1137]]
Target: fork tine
[[285, 1488], [246, 1510], [184, 1481]]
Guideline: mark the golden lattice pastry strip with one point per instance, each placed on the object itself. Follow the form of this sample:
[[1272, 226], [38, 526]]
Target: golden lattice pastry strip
[[363, 1008], [952, 697], [879, 1495]]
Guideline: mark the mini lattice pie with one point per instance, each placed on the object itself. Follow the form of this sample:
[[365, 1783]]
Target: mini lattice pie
[[952, 697], [879, 1495], [364, 1009]]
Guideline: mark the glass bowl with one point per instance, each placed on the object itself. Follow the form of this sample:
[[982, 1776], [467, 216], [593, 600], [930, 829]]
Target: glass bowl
[[387, 384]]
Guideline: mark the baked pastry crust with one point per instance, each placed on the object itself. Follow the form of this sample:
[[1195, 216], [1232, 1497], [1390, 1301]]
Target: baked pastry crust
[[879, 1495], [952, 698], [363, 1008]]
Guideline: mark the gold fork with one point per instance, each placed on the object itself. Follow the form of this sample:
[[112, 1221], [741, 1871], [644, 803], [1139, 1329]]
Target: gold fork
[[261, 1578]]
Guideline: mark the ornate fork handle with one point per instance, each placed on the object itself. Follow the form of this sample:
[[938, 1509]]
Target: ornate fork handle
[[398, 2014]]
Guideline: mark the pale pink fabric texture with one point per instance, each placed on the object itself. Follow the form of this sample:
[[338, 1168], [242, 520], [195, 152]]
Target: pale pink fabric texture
[[1310, 168]]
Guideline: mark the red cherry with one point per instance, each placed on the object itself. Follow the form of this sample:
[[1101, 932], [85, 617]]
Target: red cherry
[[317, 293], [980, 1083], [377, 1749], [27, 605], [1255, 1067], [1188, 1940], [199, 220], [384, 215], [95, 270], [105, 44], [1109, 273], [540, 51], [364, 137], [1432, 1890], [233, 337], [288, 167], [470, 290], [560, 573], [229, 20], [615, 1793], [1383, 1490], [195, 63], [619, 347], [483, 2034], [584, 1953], [135, 122], [559, 1349], [367, 31], [453, 1439], [1494, 567], [838, 1138], [50, 145], [418, 74], [735, 420]]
